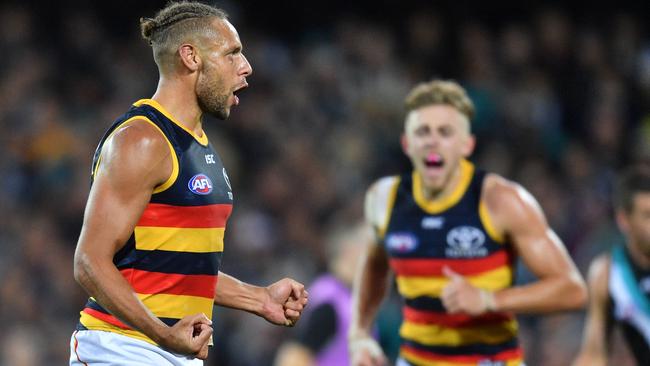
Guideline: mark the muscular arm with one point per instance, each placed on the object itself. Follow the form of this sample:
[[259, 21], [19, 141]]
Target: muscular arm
[[518, 216], [594, 345], [280, 303], [371, 281], [134, 161], [235, 294], [369, 290]]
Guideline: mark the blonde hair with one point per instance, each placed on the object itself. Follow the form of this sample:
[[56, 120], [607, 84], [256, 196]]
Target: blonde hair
[[436, 92]]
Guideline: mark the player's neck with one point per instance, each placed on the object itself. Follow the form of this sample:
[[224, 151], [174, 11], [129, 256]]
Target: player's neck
[[183, 106], [436, 194], [641, 259]]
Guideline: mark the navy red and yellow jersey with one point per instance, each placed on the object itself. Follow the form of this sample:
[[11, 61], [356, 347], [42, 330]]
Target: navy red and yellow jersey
[[421, 237], [172, 257]]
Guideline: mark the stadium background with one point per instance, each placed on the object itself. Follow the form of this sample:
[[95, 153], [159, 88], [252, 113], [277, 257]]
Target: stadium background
[[562, 94]]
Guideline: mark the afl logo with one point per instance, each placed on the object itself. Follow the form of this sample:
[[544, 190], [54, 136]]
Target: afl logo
[[401, 242], [466, 241], [200, 184]]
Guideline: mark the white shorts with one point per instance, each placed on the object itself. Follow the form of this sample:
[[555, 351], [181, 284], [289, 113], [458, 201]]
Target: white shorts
[[95, 347]]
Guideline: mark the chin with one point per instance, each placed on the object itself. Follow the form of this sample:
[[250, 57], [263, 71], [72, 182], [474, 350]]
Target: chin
[[221, 114], [434, 184]]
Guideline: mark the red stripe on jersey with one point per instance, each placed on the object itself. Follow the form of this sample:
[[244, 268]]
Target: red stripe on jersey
[[453, 320], [433, 267], [511, 354], [106, 318], [144, 282], [208, 216]]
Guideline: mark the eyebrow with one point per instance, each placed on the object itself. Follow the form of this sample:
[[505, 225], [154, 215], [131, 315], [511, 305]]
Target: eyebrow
[[234, 49]]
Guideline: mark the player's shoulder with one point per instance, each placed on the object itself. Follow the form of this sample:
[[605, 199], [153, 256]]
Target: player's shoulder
[[497, 185], [510, 205], [383, 185], [598, 275], [138, 135], [599, 267], [502, 192], [378, 198]]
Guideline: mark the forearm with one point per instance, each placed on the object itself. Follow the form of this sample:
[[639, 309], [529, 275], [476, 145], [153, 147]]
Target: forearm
[[588, 359], [294, 354], [105, 283], [545, 295], [233, 293], [369, 290]]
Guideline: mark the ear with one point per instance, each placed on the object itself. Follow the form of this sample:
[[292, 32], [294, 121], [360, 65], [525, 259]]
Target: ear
[[189, 56], [622, 221], [469, 146], [405, 144]]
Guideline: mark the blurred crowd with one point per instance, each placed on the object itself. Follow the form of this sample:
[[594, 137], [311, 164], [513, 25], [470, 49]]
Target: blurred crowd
[[562, 104]]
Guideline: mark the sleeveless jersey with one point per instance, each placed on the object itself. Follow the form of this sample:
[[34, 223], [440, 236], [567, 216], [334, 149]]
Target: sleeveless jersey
[[421, 237], [172, 257], [629, 291]]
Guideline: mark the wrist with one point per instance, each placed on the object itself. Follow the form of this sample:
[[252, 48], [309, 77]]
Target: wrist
[[489, 302], [161, 334], [367, 343], [356, 334], [260, 307]]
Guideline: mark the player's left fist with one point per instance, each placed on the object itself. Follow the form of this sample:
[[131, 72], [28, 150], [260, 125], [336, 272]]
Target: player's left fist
[[460, 296], [287, 299]]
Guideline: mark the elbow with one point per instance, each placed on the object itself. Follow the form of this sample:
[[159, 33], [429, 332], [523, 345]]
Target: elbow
[[81, 266], [577, 295]]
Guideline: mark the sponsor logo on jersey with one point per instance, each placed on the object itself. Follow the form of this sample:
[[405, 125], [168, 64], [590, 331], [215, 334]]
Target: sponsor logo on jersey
[[465, 241], [200, 184], [491, 363], [433, 222], [401, 242], [225, 177]]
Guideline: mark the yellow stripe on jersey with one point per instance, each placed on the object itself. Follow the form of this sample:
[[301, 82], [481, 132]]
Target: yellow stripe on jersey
[[174, 174], [389, 207], [486, 220], [189, 240], [436, 206], [176, 306], [445, 336], [93, 323], [421, 361], [414, 286], [203, 139]]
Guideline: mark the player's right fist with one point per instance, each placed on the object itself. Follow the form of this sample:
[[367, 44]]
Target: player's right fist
[[189, 336]]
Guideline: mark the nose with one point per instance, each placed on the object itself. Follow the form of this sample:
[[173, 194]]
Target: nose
[[246, 69], [430, 140]]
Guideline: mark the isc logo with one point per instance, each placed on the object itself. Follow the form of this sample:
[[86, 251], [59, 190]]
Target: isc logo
[[200, 184]]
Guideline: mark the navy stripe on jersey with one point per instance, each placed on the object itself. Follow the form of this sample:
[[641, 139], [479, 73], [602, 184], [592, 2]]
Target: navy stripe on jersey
[[126, 255], [184, 263], [426, 303], [475, 349], [95, 306]]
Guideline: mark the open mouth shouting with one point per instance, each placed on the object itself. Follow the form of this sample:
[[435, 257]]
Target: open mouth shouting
[[236, 91], [434, 161]]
